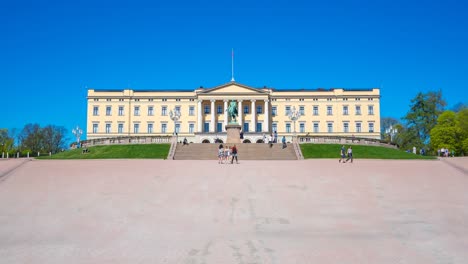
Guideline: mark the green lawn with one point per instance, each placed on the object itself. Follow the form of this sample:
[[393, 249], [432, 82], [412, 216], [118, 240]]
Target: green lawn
[[325, 151], [146, 151]]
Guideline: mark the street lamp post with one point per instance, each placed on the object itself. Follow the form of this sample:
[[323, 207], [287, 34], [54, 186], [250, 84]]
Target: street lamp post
[[294, 115], [392, 131], [77, 131], [175, 116]]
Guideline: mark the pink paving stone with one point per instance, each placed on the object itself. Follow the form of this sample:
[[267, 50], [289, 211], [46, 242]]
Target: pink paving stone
[[311, 211]]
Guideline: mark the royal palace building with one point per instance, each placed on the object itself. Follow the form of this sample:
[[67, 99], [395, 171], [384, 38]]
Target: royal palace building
[[202, 117]]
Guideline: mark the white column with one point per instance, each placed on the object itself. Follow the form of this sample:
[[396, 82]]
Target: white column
[[225, 115], [239, 113], [252, 109], [199, 117], [266, 121], [212, 126]]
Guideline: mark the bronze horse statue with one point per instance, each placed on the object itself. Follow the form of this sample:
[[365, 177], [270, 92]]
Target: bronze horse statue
[[232, 112]]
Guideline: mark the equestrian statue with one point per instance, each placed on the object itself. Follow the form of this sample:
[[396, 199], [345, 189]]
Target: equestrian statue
[[232, 112]]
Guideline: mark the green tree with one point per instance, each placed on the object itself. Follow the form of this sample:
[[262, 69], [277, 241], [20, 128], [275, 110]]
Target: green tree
[[424, 110], [462, 119], [451, 131], [6, 141], [30, 137], [53, 138]]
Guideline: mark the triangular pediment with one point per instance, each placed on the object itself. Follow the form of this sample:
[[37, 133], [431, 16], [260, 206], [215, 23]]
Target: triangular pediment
[[233, 88]]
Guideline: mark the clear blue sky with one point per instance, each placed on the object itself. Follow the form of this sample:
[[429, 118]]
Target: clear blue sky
[[50, 52]]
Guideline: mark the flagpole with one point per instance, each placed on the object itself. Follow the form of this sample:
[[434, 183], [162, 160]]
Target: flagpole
[[232, 66]]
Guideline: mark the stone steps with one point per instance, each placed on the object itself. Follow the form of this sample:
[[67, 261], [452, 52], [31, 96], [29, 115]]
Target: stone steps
[[200, 151]]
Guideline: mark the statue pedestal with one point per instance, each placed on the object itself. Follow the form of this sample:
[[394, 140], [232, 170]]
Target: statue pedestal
[[233, 134]]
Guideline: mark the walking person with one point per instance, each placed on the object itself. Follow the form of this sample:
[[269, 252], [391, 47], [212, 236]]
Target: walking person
[[234, 154], [227, 154], [342, 154], [270, 140], [283, 140], [350, 154], [220, 154]]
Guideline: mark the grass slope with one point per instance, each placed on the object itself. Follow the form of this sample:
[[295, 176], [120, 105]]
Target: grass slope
[[147, 151], [325, 151]]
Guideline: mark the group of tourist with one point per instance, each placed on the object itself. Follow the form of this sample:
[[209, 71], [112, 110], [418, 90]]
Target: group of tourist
[[445, 152], [273, 138], [346, 153], [227, 154]]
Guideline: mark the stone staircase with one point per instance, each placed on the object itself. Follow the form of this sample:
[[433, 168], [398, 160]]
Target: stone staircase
[[207, 151]]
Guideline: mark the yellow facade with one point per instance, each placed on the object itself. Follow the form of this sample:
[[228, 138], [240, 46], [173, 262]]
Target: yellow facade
[[324, 112]]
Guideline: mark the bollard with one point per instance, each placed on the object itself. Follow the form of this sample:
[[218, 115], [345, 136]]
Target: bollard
[[17, 155], [28, 154], [38, 154], [50, 154], [7, 155], [3, 155]]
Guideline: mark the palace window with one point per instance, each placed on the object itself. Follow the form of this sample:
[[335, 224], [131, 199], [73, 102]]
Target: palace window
[[206, 127], [346, 127], [246, 127], [316, 112], [108, 128], [95, 128], [219, 109], [302, 127], [288, 127], [345, 110], [191, 128], [136, 128], [137, 111], [164, 111], [163, 128], [358, 127], [121, 110], [177, 128], [301, 110], [207, 109], [120, 128], [191, 110], [108, 110], [219, 127], [358, 110], [316, 127], [246, 109], [274, 127], [259, 109], [287, 109], [177, 109], [329, 110], [150, 110], [96, 110], [371, 127], [150, 128], [330, 127], [259, 127], [274, 111], [370, 109]]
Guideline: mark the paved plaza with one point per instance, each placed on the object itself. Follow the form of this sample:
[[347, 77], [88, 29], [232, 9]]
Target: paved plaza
[[158, 211]]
